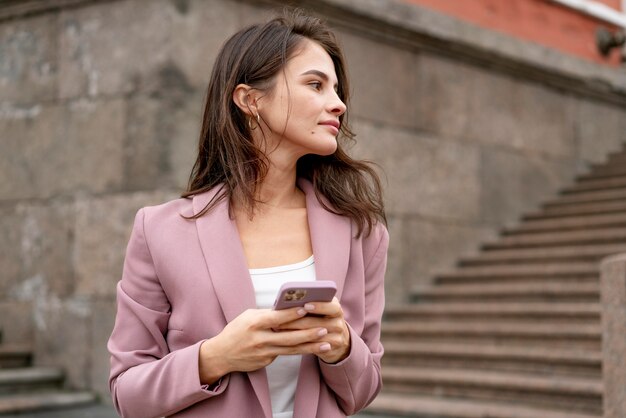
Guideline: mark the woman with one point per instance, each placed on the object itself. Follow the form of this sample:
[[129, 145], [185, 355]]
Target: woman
[[195, 335]]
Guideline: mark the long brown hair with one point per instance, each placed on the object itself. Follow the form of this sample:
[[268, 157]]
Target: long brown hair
[[229, 158]]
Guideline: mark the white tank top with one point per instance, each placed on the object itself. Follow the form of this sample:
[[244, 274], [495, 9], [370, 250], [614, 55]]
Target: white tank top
[[282, 374]]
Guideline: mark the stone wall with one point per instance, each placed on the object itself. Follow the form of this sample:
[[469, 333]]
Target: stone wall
[[100, 108]]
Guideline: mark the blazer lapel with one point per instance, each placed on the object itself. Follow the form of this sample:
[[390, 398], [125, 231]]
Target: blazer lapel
[[225, 259], [228, 268], [331, 236], [307, 388]]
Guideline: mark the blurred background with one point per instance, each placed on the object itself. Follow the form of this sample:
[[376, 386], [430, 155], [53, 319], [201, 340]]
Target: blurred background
[[478, 111]]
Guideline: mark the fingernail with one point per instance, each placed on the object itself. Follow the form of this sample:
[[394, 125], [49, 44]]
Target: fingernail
[[325, 347], [322, 332], [309, 306], [301, 312]]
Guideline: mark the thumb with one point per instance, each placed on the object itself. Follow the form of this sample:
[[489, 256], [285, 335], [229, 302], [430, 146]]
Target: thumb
[[276, 318]]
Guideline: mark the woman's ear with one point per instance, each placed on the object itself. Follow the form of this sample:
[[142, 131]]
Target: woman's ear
[[245, 98]]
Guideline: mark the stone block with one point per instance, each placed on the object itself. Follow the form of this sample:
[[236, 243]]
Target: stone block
[[56, 150], [102, 322], [37, 251], [425, 175], [420, 248], [162, 140], [200, 29], [185, 132], [16, 322], [94, 141], [103, 227], [547, 121], [62, 338], [29, 140], [399, 276], [107, 48], [46, 245], [519, 115], [613, 298], [28, 59], [146, 159], [251, 13], [514, 183], [383, 80], [10, 248], [443, 95], [601, 129]]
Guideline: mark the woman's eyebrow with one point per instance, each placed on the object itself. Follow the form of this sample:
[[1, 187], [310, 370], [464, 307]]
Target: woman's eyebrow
[[318, 73]]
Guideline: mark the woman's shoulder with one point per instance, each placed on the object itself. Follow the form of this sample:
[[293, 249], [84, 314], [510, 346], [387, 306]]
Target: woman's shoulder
[[175, 206], [376, 239], [178, 210]]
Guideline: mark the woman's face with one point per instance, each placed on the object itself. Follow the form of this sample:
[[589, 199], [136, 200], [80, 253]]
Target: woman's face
[[302, 110]]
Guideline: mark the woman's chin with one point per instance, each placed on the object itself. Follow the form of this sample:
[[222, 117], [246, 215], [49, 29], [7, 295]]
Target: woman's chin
[[326, 148]]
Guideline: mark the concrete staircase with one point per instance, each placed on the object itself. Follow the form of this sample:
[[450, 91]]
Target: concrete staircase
[[514, 332], [24, 388]]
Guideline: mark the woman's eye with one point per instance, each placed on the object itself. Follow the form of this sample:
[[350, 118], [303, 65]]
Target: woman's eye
[[316, 85]]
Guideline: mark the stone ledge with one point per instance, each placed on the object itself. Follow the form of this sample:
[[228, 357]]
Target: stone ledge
[[419, 28], [11, 9]]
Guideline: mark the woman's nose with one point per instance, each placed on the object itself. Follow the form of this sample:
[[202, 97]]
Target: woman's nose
[[337, 106]]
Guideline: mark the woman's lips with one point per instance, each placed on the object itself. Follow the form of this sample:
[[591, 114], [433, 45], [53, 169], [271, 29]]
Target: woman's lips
[[332, 125]]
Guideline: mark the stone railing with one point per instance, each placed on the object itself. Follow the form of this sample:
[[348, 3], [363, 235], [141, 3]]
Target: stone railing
[[613, 303]]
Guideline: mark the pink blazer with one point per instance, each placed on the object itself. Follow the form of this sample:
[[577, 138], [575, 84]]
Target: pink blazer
[[183, 281]]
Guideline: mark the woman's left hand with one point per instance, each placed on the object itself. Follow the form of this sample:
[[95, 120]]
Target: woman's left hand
[[335, 345]]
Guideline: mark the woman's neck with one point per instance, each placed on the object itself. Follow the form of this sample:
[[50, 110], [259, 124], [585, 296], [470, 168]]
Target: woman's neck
[[279, 190]]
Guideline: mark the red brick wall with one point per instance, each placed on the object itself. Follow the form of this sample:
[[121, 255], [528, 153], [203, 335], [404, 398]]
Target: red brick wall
[[539, 21]]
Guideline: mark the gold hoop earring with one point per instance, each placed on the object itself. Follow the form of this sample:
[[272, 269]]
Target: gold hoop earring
[[258, 122]]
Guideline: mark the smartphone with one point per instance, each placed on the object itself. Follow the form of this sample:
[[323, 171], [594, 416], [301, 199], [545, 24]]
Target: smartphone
[[292, 294]]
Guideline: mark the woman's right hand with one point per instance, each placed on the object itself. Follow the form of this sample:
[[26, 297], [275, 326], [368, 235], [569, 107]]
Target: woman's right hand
[[249, 343]]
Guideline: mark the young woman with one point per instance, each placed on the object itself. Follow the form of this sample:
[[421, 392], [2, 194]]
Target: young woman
[[272, 198]]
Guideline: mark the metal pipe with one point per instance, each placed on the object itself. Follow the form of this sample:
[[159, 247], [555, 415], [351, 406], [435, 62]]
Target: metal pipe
[[598, 10]]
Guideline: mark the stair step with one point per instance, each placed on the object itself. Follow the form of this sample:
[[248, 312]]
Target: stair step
[[14, 356], [569, 223], [587, 197], [575, 393], [479, 328], [616, 182], [604, 170], [591, 253], [616, 157], [615, 207], [421, 406], [496, 312], [535, 360], [29, 379], [22, 403], [551, 239], [555, 270], [543, 334], [579, 209], [544, 290]]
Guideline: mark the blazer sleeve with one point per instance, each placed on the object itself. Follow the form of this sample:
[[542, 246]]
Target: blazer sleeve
[[147, 380], [356, 380]]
